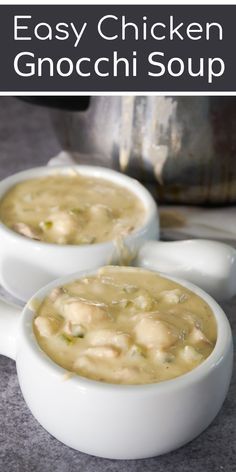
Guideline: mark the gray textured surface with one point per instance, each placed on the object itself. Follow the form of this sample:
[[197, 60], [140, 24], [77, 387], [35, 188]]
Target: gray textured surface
[[26, 139], [26, 136]]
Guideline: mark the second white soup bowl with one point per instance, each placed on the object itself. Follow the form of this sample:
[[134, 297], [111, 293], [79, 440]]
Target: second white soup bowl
[[26, 264]]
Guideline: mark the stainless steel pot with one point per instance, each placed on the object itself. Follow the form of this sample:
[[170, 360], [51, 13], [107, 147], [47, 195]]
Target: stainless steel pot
[[182, 148]]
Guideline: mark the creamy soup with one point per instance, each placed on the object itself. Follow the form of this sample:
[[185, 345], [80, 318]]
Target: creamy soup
[[71, 209], [125, 326]]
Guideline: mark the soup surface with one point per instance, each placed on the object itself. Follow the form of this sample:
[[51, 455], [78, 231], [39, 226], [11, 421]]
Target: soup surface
[[71, 209], [125, 325]]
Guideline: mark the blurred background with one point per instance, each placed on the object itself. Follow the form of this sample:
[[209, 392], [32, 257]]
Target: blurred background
[[182, 148], [27, 137]]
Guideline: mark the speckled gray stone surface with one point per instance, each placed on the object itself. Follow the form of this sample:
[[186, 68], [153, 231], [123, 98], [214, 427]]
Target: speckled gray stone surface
[[27, 139]]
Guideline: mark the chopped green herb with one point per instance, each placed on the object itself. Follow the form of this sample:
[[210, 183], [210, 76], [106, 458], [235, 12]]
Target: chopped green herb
[[45, 225], [75, 211], [48, 224], [81, 335], [67, 339]]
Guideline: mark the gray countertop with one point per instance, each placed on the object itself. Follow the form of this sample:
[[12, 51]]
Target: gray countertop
[[27, 139]]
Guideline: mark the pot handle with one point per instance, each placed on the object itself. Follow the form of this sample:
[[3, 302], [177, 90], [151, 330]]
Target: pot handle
[[209, 264], [9, 323]]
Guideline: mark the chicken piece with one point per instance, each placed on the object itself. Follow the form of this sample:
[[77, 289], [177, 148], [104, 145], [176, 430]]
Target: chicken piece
[[153, 333], [172, 296], [190, 354], [163, 356], [74, 329], [197, 336], [76, 311], [85, 365], [127, 374], [136, 352], [129, 288], [121, 303], [100, 212], [55, 293], [123, 227], [27, 231], [104, 352], [143, 301], [109, 337], [47, 326], [63, 224], [192, 319]]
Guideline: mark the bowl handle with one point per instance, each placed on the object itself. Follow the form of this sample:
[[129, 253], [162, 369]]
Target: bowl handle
[[9, 321], [209, 264]]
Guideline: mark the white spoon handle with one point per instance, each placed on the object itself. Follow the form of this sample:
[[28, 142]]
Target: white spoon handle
[[209, 264]]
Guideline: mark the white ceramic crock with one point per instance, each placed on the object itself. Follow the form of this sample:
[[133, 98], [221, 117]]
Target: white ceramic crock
[[118, 421], [26, 264]]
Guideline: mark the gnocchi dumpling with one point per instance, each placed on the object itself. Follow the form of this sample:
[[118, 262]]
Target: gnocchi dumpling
[[152, 332]]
